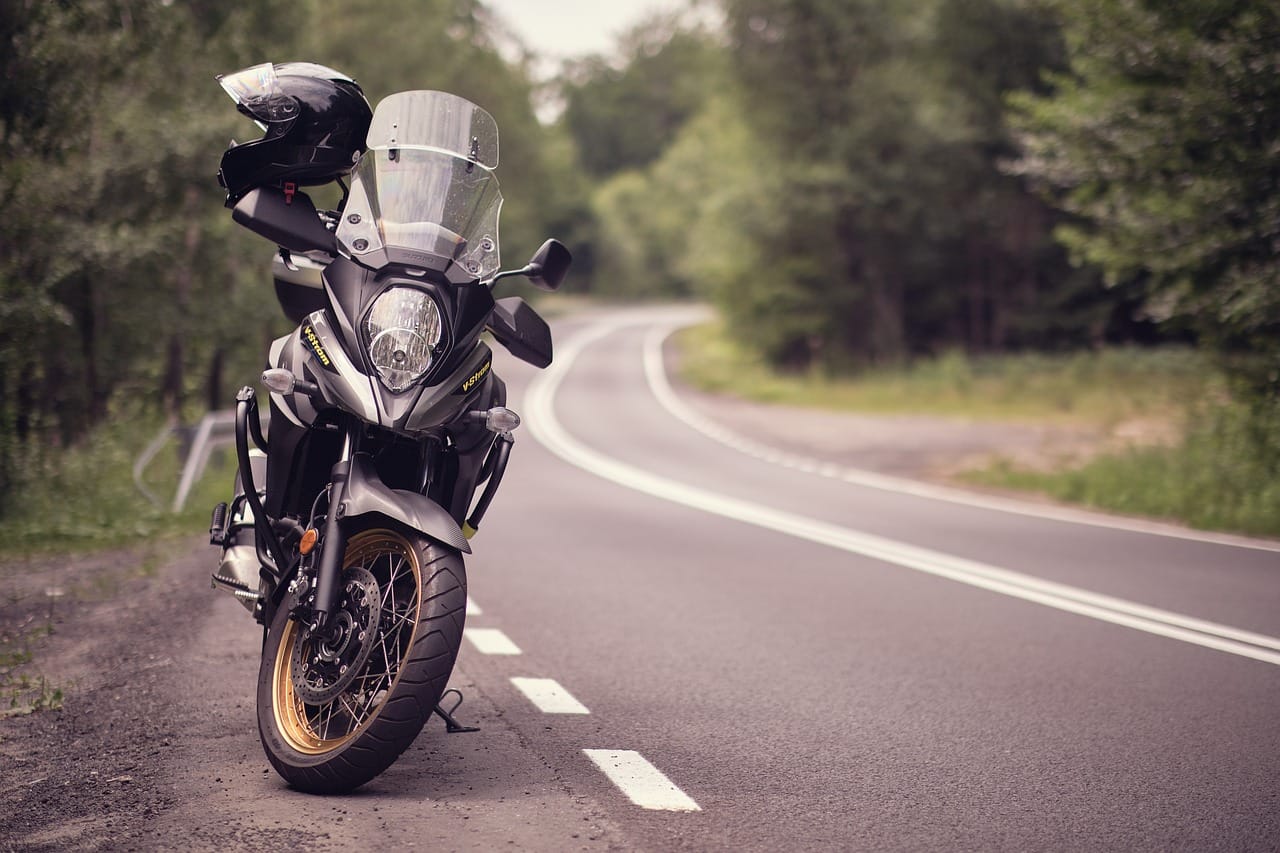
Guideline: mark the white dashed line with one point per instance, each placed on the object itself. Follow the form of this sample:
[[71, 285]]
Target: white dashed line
[[643, 783], [473, 609], [549, 696], [491, 641]]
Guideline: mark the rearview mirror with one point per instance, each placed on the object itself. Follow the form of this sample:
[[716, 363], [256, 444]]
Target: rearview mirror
[[549, 265]]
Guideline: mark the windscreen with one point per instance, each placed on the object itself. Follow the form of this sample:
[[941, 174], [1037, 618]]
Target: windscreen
[[435, 120], [425, 187]]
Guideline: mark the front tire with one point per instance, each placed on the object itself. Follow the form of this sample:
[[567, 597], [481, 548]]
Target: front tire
[[326, 745]]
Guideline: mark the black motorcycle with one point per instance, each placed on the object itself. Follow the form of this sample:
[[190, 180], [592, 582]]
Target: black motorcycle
[[346, 531]]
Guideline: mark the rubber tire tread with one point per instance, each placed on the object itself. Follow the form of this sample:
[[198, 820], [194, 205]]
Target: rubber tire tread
[[423, 677]]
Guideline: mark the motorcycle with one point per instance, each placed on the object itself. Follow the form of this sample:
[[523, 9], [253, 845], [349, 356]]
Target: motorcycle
[[351, 514]]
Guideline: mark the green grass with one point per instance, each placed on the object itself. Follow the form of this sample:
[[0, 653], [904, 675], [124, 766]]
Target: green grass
[[1098, 388], [85, 499], [1223, 475], [1217, 468], [22, 692], [27, 694]]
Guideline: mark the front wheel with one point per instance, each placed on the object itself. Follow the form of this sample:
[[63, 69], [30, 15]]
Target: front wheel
[[334, 712]]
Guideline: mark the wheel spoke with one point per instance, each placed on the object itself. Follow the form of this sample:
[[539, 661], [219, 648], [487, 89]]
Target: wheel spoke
[[318, 728], [354, 708]]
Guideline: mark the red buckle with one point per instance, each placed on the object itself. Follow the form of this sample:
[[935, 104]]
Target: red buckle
[[289, 189]]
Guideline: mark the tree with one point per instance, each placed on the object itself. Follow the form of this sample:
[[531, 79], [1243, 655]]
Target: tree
[[107, 178], [620, 116], [624, 112], [1161, 143], [893, 228]]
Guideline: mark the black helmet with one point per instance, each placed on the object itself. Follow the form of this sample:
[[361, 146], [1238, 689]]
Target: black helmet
[[315, 120]]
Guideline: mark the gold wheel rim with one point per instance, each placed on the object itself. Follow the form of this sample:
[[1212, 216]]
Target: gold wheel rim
[[317, 729]]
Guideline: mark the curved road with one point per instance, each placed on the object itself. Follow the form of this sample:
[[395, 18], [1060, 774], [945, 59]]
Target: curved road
[[820, 664], [682, 640]]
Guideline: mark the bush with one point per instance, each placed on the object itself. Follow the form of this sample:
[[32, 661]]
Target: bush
[[84, 497], [1224, 475]]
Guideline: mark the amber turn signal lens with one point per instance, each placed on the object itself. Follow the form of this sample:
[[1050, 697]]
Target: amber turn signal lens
[[308, 540]]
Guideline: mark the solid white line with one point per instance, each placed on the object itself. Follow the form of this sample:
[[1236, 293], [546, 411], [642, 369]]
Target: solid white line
[[473, 609], [490, 641], [549, 696], [643, 783], [656, 376], [539, 402]]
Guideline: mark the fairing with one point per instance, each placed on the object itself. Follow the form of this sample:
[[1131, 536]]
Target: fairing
[[315, 353]]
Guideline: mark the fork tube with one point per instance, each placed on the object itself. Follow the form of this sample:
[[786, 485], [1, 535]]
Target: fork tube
[[329, 572]]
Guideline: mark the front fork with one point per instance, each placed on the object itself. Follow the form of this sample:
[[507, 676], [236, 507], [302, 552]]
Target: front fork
[[333, 544]]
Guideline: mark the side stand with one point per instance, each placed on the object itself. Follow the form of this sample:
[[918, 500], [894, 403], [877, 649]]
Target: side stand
[[452, 726]]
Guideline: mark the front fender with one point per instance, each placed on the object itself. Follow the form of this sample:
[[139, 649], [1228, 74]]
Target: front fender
[[366, 494]]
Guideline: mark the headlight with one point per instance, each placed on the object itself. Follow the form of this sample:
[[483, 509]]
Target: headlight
[[403, 328]]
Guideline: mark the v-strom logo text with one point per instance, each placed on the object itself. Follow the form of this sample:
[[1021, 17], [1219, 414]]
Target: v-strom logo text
[[313, 340], [476, 377]]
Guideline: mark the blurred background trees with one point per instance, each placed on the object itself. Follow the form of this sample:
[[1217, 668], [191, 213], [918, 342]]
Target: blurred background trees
[[1163, 144], [851, 182], [117, 282]]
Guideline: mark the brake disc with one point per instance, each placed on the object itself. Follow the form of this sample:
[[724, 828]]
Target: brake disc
[[324, 666]]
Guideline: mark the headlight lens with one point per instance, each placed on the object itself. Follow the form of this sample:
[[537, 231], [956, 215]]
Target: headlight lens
[[403, 328]]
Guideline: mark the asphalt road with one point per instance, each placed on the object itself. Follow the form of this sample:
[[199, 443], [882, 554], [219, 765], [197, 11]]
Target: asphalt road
[[769, 652]]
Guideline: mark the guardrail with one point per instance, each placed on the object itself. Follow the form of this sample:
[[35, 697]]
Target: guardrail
[[216, 429]]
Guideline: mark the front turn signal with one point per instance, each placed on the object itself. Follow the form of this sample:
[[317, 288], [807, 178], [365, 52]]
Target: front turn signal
[[308, 542]]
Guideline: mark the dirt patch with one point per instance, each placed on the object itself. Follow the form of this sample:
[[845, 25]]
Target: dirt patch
[[930, 448], [155, 745], [82, 776]]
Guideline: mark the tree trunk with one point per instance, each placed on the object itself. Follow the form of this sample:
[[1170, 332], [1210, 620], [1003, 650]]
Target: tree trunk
[[184, 276], [93, 327], [214, 388], [888, 318]]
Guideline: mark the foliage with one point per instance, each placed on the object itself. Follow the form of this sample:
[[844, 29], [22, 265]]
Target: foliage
[[1100, 389], [675, 228], [1161, 141], [624, 112], [84, 497], [1224, 475], [894, 230], [837, 192], [620, 116], [109, 171]]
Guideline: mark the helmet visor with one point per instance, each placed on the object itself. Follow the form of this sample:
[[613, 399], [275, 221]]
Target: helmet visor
[[251, 84], [257, 92]]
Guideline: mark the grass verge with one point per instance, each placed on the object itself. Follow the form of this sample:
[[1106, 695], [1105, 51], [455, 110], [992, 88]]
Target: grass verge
[[1197, 458], [1224, 474], [85, 500], [1097, 388]]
